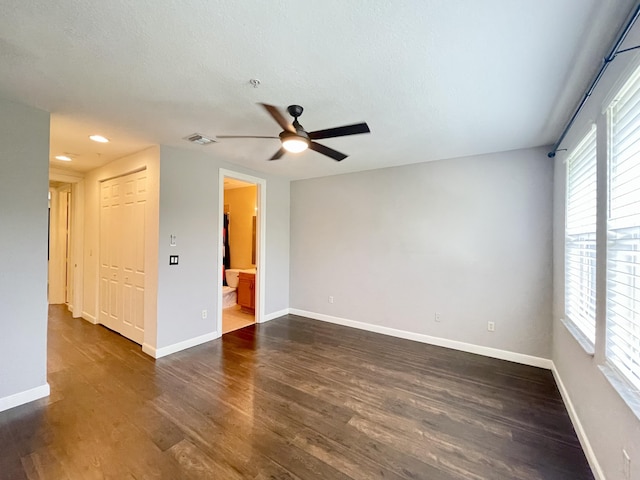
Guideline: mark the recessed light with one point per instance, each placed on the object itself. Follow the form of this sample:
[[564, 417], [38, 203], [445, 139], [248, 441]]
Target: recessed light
[[64, 158], [99, 138]]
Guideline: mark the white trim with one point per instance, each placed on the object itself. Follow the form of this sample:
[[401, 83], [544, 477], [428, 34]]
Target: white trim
[[89, 318], [177, 347], [441, 342], [629, 394], [59, 175], [77, 242], [581, 338], [274, 315], [149, 350], [57, 264], [24, 397], [76, 180], [575, 420], [261, 255]]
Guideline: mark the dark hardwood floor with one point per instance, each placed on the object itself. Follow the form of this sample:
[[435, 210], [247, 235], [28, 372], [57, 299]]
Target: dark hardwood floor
[[290, 399]]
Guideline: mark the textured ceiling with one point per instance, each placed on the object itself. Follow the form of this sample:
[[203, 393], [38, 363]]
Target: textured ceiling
[[434, 79]]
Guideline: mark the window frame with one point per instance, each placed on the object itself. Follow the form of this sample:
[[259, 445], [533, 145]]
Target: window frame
[[579, 305], [625, 379]]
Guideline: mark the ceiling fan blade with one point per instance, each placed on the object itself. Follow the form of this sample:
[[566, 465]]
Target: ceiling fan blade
[[329, 152], [278, 154], [340, 131], [278, 117], [242, 136]]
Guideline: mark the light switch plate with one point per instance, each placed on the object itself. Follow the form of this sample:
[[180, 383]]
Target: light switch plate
[[173, 259]]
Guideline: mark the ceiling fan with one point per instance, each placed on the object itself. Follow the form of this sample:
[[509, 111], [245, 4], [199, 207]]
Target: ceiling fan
[[296, 139]]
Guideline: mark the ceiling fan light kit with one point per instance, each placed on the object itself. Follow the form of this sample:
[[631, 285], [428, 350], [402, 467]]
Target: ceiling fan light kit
[[293, 143], [296, 139]]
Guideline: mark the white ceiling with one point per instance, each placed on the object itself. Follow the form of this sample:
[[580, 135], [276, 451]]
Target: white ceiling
[[434, 79]]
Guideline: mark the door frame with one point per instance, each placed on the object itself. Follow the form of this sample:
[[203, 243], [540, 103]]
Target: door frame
[[145, 253], [261, 222], [76, 257]]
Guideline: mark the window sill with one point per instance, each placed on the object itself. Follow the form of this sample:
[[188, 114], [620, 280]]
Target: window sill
[[583, 341], [629, 395]]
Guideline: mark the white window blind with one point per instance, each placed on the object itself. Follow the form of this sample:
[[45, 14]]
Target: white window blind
[[623, 234], [580, 237]]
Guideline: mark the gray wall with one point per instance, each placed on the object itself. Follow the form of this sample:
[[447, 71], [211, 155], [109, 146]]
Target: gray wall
[[189, 209], [469, 238], [24, 170]]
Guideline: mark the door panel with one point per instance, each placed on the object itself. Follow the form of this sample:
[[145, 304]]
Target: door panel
[[139, 308], [104, 254], [122, 233]]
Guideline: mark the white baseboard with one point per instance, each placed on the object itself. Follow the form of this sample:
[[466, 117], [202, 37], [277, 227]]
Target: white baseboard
[[441, 342], [177, 347], [273, 315], [582, 435], [487, 351], [89, 318], [24, 397]]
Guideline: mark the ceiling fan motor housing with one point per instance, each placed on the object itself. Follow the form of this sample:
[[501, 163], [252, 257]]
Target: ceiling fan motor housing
[[299, 134], [295, 110]]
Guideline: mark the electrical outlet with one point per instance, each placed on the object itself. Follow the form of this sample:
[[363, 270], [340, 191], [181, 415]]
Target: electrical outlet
[[330, 299], [491, 326], [204, 314], [436, 316], [626, 465]]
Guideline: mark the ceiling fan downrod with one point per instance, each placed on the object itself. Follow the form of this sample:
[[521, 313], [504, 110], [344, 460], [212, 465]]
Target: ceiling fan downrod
[[295, 111]]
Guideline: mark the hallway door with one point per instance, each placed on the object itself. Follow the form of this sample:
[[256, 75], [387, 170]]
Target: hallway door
[[122, 269]]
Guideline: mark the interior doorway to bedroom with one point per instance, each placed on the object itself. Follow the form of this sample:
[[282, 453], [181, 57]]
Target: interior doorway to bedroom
[[240, 251], [65, 241]]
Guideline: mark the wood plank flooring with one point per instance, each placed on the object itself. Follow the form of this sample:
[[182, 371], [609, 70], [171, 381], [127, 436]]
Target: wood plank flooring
[[290, 399]]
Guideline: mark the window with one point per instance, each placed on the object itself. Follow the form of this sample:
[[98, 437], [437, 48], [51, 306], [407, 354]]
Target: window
[[623, 234], [580, 237]]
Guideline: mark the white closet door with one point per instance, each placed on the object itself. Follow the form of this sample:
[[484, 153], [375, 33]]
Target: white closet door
[[122, 231], [132, 235], [109, 293]]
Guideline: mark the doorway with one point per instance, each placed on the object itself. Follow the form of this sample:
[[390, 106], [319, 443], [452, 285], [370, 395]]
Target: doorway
[[60, 284], [241, 246], [66, 196]]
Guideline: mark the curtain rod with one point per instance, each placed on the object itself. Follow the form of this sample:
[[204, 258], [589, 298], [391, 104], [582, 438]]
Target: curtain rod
[[605, 63]]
